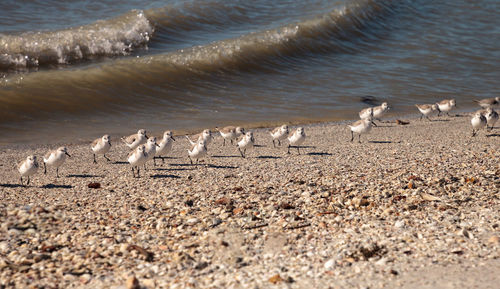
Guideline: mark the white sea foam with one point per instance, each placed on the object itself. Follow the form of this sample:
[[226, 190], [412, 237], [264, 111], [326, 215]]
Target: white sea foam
[[117, 36]]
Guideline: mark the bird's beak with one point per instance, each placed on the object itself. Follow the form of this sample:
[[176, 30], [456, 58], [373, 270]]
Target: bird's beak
[[172, 138], [146, 136], [157, 145], [109, 142], [67, 154]]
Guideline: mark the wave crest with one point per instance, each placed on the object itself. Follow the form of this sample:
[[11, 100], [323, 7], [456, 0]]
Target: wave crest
[[117, 36]]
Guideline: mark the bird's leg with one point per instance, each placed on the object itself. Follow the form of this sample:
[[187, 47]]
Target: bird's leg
[[138, 174], [298, 150], [473, 133], [57, 172], [191, 160], [241, 153], [421, 116], [95, 162], [154, 161], [224, 144], [352, 135], [359, 138], [106, 158], [21, 181], [279, 142], [44, 168], [288, 152], [133, 172], [274, 145], [28, 181]]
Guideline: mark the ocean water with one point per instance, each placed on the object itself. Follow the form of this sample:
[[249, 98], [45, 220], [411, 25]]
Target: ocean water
[[71, 71]]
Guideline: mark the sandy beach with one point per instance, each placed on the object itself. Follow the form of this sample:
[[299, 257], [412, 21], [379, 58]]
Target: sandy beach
[[412, 206]]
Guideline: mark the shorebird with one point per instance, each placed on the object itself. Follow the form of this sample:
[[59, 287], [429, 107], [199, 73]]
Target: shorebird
[[198, 151], [296, 139], [151, 146], [55, 158], [491, 117], [101, 146], [205, 135], [366, 113], [137, 158], [380, 110], [478, 121], [489, 102], [426, 109], [246, 142], [445, 106], [230, 133], [27, 168], [360, 127], [134, 140], [165, 145], [279, 134]]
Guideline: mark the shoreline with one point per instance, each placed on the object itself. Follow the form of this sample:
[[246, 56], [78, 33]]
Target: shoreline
[[264, 125], [341, 214]]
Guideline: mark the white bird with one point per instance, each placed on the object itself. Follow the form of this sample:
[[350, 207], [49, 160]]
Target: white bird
[[380, 110], [55, 158], [230, 133], [205, 135], [151, 146], [478, 121], [491, 117], [366, 113], [489, 102], [198, 151], [134, 140], [246, 142], [165, 145], [101, 146], [426, 109], [296, 139], [137, 158], [445, 106], [27, 168], [280, 133], [360, 127]]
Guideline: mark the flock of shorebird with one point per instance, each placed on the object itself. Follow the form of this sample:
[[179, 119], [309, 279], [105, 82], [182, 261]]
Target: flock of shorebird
[[144, 148]]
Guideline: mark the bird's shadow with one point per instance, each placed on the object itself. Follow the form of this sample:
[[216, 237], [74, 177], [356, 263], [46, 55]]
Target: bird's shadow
[[119, 163], [319, 154], [260, 146], [84, 176], [268, 157], [12, 186], [493, 135], [158, 176], [54, 186], [181, 165], [167, 158], [221, 167]]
